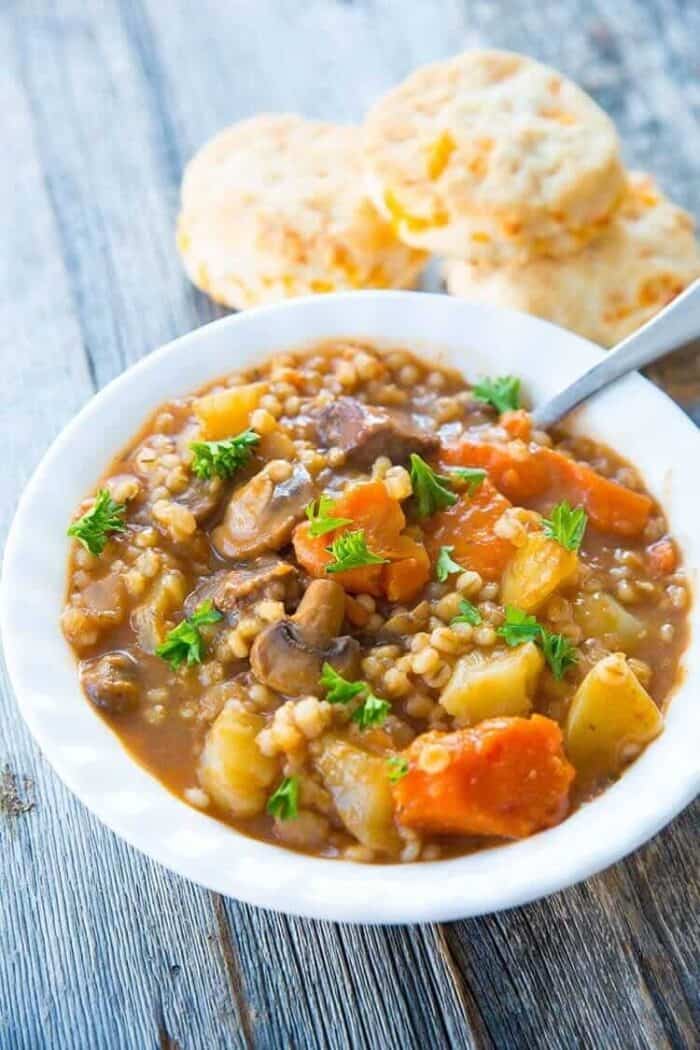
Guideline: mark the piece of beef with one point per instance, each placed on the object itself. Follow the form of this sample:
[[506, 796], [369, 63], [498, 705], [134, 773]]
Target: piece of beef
[[365, 432], [234, 590]]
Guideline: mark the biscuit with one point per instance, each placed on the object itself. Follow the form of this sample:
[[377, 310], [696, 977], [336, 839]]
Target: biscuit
[[275, 207], [494, 157], [646, 257]]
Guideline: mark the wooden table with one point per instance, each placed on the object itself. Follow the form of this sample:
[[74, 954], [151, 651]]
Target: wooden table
[[102, 104]]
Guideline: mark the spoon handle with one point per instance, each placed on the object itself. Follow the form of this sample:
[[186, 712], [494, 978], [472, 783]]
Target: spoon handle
[[672, 327]]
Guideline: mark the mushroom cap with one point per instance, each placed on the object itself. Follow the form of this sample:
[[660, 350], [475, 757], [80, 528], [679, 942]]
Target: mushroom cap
[[289, 655], [262, 513]]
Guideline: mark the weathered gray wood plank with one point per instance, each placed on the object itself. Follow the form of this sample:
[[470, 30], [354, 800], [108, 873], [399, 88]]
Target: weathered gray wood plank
[[102, 103]]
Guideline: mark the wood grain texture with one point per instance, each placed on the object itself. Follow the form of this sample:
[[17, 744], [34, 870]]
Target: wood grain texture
[[102, 103]]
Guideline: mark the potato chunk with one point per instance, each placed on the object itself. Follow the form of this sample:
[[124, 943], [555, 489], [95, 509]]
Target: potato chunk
[[536, 570], [502, 685], [610, 720], [227, 412], [360, 787], [232, 768], [601, 616]]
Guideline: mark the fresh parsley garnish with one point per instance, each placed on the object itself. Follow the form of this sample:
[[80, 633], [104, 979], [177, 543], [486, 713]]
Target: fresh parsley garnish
[[372, 712], [223, 458], [320, 517], [95, 526], [558, 650], [468, 613], [398, 767], [518, 627], [284, 802], [350, 551], [471, 476], [445, 565], [184, 644], [566, 525], [431, 490], [503, 392], [338, 689]]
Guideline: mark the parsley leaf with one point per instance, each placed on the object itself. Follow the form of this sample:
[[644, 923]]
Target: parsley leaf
[[95, 526], [503, 392], [566, 525], [468, 613], [338, 689], [372, 712], [471, 476], [559, 652], [398, 767], [431, 490], [222, 458], [184, 644], [518, 627], [445, 564], [320, 519], [350, 551], [284, 802]]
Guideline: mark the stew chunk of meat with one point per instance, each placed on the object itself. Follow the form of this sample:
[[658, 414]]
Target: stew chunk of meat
[[289, 655], [366, 432], [111, 682], [233, 591], [262, 513]]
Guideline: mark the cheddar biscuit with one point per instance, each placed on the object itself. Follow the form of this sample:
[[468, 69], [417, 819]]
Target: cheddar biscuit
[[494, 157], [646, 257], [275, 207]]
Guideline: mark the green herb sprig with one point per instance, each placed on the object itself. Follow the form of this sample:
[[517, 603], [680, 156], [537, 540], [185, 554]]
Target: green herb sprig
[[96, 525], [371, 712], [468, 613], [519, 628], [320, 517], [445, 565], [350, 551], [471, 476], [338, 689], [184, 644], [431, 490], [284, 802], [398, 767], [503, 392], [566, 525], [223, 458]]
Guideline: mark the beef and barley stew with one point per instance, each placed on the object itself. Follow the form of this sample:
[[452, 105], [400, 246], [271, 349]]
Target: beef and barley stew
[[352, 605]]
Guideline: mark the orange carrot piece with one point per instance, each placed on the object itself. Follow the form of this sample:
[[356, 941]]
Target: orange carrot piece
[[541, 471], [662, 557], [506, 777], [371, 508], [468, 526]]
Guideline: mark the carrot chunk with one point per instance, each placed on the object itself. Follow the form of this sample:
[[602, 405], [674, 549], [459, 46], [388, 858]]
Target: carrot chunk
[[506, 777], [469, 527], [537, 472], [372, 509]]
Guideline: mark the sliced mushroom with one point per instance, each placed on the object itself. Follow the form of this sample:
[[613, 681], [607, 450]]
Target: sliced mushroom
[[262, 513], [111, 682], [365, 432], [232, 591], [203, 497], [289, 655]]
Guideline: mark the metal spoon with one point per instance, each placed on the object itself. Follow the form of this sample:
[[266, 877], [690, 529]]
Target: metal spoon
[[675, 325]]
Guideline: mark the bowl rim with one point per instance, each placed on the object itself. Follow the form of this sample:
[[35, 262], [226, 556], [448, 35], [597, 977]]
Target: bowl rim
[[137, 807]]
